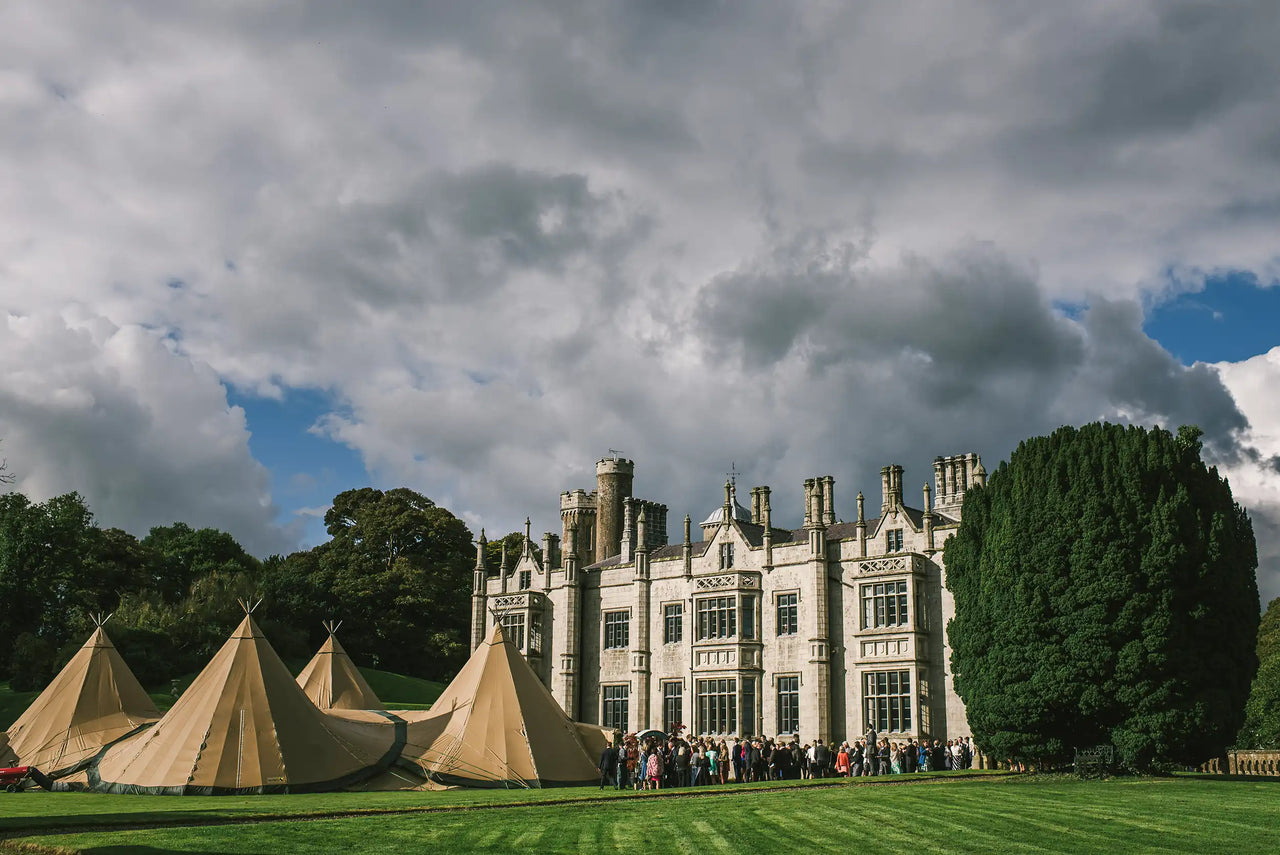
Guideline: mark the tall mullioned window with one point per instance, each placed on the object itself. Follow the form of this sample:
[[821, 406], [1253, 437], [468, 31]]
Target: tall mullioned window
[[748, 705], [673, 623], [513, 628], [617, 700], [726, 556], [672, 706], [887, 695], [717, 618], [535, 632], [788, 617], [884, 604], [526, 579], [748, 616], [717, 705], [789, 704], [893, 539], [617, 629]]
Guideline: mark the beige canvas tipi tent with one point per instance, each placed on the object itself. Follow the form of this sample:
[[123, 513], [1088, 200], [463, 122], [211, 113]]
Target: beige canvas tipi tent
[[332, 680], [7, 757], [496, 725], [93, 701], [244, 726]]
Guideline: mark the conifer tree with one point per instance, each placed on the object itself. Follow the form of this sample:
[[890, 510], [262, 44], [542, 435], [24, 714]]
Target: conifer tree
[[1105, 592]]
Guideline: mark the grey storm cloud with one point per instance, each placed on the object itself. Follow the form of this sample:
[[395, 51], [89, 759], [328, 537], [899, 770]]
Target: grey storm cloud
[[967, 334]]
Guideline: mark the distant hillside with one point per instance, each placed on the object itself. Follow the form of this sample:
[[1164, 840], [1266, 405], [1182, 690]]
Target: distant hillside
[[398, 692]]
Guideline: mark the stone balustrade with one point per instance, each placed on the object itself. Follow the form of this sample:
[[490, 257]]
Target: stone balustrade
[[1246, 763]]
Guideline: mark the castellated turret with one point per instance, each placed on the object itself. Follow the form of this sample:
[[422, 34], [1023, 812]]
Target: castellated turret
[[613, 487], [578, 512]]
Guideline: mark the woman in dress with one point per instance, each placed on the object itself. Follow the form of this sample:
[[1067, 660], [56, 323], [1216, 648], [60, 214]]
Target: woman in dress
[[653, 781], [634, 770], [842, 760], [713, 768]]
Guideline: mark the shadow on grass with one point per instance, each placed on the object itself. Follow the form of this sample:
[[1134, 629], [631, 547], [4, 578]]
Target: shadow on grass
[[127, 849], [1207, 776]]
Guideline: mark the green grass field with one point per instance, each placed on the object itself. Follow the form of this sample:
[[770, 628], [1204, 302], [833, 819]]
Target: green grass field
[[963, 814]]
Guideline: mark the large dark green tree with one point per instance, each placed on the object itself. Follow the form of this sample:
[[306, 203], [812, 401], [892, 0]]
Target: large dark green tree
[[1262, 713], [182, 554], [1105, 592], [397, 572], [56, 568]]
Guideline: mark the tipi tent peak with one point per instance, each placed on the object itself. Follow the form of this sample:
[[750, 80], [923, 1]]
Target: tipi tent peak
[[332, 681]]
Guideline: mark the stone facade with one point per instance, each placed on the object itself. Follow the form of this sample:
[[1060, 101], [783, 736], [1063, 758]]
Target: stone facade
[[751, 629]]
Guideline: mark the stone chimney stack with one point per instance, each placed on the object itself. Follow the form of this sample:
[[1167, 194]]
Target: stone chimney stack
[[952, 476], [550, 550], [891, 480], [550, 557], [828, 500]]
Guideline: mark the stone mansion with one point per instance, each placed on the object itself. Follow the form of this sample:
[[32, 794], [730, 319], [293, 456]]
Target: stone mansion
[[750, 629]]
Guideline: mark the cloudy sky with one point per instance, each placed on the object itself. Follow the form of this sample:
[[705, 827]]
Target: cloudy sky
[[255, 254]]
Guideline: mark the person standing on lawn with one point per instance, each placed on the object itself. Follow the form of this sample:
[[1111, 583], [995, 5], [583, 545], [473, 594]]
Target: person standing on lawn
[[608, 767]]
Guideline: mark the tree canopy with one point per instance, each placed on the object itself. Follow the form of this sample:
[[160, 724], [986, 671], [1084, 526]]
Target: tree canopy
[[1262, 713], [1105, 592], [397, 572]]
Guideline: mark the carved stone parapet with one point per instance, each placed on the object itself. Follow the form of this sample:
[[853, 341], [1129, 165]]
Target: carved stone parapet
[[727, 581], [522, 600], [890, 564]]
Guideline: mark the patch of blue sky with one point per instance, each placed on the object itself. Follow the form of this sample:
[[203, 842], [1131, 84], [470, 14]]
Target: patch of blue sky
[[307, 468], [1073, 309], [1232, 318]]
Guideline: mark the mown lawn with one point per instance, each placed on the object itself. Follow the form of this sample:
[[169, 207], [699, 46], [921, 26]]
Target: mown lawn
[[1007, 814], [33, 811], [13, 704]]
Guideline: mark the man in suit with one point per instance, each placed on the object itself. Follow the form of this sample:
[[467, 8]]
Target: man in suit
[[873, 750], [608, 767]]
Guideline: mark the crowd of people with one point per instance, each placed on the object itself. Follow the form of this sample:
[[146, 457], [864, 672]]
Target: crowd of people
[[656, 763]]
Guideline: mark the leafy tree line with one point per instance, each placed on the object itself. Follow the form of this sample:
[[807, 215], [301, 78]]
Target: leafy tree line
[[1105, 592], [1262, 713], [396, 572]]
